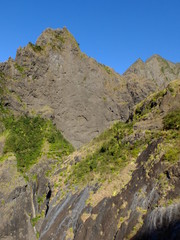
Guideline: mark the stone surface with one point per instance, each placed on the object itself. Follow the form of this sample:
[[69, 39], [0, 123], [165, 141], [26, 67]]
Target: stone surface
[[54, 78], [156, 69]]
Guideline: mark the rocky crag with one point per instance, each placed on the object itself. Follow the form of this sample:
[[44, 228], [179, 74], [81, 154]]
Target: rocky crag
[[54, 78], [122, 184]]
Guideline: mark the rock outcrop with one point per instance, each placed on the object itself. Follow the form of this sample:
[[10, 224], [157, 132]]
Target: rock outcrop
[[55, 79], [156, 69]]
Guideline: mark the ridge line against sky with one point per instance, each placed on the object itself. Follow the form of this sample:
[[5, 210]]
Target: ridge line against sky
[[115, 33]]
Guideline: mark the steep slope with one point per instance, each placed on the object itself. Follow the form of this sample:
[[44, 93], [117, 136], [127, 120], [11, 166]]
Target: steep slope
[[122, 185], [132, 176], [54, 78], [155, 69]]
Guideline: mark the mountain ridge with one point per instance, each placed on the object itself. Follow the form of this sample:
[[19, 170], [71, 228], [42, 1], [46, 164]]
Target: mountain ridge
[[54, 77]]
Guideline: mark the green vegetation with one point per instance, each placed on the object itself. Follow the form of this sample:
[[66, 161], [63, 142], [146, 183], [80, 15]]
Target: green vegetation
[[118, 146], [41, 199], [37, 235], [1, 74], [172, 145], [172, 154], [19, 68], [35, 47], [26, 137], [60, 38], [148, 104], [172, 120], [154, 100], [108, 70], [59, 146], [174, 87], [104, 99], [162, 70], [114, 154], [35, 220], [25, 140]]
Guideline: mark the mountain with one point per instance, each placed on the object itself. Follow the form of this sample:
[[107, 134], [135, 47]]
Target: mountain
[[155, 69], [117, 174], [54, 78]]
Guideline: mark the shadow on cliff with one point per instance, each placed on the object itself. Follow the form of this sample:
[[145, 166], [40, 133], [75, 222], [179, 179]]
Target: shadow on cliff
[[172, 232]]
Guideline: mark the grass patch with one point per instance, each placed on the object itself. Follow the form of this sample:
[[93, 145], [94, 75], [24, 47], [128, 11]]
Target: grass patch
[[35, 47], [172, 154], [35, 220], [26, 138], [41, 199], [148, 104], [19, 68], [59, 146], [174, 87], [172, 146], [117, 147], [113, 155], [60, 38], [107, 69]]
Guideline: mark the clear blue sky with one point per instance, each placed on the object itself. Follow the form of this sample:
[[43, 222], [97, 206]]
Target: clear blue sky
[[114, 32]]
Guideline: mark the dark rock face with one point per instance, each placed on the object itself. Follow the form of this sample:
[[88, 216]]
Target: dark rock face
[[16, 204], [64, 216], [137, 200], [109, 210], [162, 223], [19, 200]]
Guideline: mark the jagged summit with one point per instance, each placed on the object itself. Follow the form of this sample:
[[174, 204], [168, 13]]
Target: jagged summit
[[56, 37], [156, 69], [54, 78], [49, 35], [154, 56]]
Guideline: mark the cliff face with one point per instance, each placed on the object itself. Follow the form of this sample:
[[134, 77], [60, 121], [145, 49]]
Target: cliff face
[[124, 184], [54, 78]]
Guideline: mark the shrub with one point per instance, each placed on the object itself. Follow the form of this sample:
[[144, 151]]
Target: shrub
[[172, 120], [148, 104], [60, 38], [19, 68], [36, 48], [113, 154], [172, 154]]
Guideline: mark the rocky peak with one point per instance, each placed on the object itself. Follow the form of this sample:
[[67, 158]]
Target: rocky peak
[[48, 36], [59, 37], [50, 40], [156, 69], [55, 79], [137, 68]]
